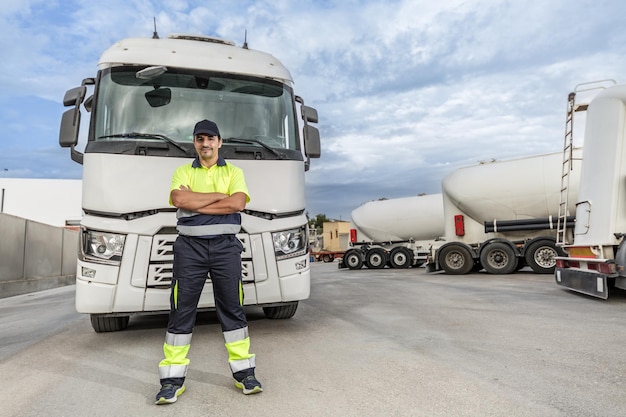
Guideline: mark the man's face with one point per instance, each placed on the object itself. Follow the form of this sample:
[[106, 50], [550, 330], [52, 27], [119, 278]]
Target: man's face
[[207, 146]]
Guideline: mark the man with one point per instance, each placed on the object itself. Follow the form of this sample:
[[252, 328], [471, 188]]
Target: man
[[209, 194]]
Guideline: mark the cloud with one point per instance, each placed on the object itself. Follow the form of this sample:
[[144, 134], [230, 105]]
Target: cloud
[[407, 91]]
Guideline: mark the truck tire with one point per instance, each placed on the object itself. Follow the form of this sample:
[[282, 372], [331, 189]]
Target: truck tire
[[541, 256], [285, 311], [498, 258], [327, 257], [353, 259], [103, 324], [400, 258], [376, 258], [456, 260]]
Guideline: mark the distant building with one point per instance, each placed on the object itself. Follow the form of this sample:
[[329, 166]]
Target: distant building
[[56, 202], [335, 235]]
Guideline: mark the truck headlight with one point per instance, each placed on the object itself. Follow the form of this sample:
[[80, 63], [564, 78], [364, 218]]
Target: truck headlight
[[102, 246], [290, 243]]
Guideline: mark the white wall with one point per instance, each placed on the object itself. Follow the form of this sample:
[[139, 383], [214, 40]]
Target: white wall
[[49, 201]]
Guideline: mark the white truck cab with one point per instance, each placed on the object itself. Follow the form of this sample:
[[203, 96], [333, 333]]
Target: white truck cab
[[147, 96]]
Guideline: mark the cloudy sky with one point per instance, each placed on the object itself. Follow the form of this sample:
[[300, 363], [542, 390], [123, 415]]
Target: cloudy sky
[[407, 90]]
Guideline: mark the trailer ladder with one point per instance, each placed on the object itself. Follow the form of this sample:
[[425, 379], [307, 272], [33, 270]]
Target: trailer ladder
[[568, 152], [566, 168]]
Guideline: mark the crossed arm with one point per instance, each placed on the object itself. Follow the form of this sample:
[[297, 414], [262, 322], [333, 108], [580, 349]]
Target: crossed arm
[[208, 203]]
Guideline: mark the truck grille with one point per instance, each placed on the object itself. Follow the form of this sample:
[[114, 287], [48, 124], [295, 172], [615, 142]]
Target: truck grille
[[162, 255]]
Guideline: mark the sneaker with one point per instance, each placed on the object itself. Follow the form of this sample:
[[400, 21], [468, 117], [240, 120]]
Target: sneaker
[[249, 385], [169, 393]]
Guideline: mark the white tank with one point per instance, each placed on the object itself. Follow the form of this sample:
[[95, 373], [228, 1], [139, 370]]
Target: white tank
[[524, 188], [416, 218], [602, 205]]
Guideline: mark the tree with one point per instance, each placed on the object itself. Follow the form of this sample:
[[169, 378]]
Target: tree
[[318, 221]]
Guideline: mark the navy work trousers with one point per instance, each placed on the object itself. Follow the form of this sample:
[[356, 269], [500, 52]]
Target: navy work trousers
[[194, 258]]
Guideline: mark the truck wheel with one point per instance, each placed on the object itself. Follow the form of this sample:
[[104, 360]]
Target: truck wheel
[[541, 256], [285, 311], [400, 258], [375, 258], [498, 258], [353, 259], [456, 260], [103, 324], [327, 258]]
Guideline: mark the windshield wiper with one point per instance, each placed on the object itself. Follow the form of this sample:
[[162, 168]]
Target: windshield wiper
[[258, 142], [146, 136]]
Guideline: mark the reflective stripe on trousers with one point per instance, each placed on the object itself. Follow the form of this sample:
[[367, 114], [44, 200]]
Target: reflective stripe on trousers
[[176, 347], [237, 344], [175, 350]]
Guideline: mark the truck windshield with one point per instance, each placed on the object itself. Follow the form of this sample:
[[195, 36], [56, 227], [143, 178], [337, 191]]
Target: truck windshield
[[155, 110]]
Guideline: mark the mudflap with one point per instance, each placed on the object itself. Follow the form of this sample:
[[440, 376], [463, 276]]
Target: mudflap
[[341, 264], [590, 283]]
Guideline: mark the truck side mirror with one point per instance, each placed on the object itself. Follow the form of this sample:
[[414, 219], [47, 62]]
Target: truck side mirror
[[309, 114], [312, 146], [68, 134], [70, 122], [74, 96]]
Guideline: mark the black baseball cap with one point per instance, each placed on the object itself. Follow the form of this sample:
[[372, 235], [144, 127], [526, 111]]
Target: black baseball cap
[[206, 127]]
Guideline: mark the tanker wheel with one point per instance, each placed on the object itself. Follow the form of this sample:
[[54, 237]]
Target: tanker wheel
[[456, 260], [498, 258], [328, 257], [353, 259], [375, 258], [541, 256], [400, 258]]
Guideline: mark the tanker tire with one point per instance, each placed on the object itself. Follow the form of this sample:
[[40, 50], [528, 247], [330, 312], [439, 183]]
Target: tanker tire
[[375, 258], [541, 256], [102, 324], [400, 258], [498, 258], [456, 260], [353, 259]]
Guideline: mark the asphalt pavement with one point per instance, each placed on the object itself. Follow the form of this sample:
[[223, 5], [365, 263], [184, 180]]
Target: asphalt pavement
[[367, 343]]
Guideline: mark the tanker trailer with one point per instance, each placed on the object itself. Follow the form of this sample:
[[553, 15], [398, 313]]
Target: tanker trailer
[[502, 216], [395, 232], [596, 255]]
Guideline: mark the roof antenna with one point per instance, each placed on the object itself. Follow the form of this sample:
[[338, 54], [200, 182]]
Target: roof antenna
[[245, 39], [155, 35]]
